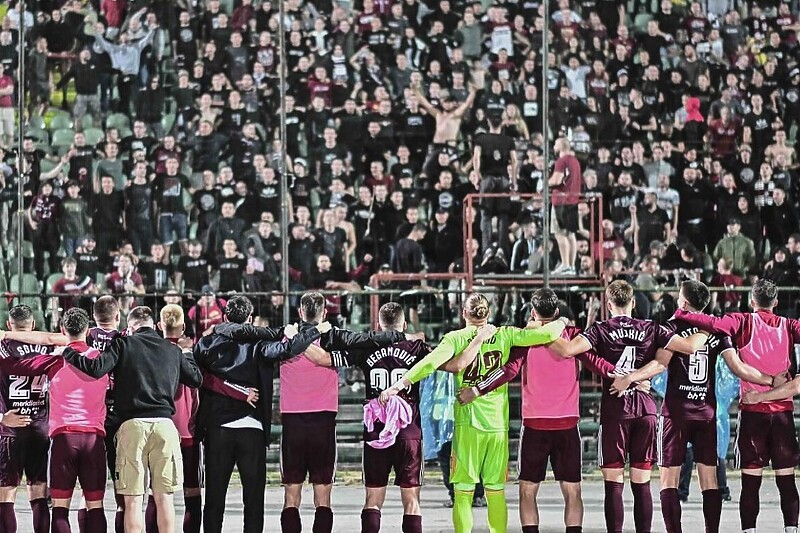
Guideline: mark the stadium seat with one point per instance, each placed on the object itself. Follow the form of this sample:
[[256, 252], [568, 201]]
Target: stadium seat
[[40, 135], [51, 279], [640, 22], [93, 135], [119, 121], [29, 283], [62, 140], [87, 121], [60, 121], [36, 122]]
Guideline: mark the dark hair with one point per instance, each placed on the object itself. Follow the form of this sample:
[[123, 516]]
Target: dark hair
[[619, 293], [391, 315], [765, 293], [696, 293], [20, 315], [75, 321], [105, 309], [238, 309], [312, 304], [68, 261], [140, 315], [419, 226], [545, 303]]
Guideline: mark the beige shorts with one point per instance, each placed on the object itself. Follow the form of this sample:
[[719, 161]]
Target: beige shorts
[[7, 120], [149, 448]]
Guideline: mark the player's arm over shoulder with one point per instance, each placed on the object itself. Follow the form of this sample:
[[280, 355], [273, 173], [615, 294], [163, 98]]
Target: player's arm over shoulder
[[536, 336]]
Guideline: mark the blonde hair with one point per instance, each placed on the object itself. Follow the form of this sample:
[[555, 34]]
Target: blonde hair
[[476, 307], [172, 317]]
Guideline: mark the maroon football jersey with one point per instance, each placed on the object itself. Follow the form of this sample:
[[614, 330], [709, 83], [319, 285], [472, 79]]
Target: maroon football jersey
[[26, 393], [691, 378], [382, 367], [100, 339], [627, 343]]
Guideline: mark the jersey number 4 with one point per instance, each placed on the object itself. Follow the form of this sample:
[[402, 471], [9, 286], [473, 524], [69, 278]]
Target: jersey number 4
[[627, 361], [22, 386]]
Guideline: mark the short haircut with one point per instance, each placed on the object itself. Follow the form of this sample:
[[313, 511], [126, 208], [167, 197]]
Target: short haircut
[[765, 293], [75, 321], [696, 293], [140, 316], [105, 309], [619, 293], [419, 226], [391, 315], [20, 315], [68, 261], [238, 309], [172, 316], [477, 306], [545, 303], [495, 120], [312, 304]]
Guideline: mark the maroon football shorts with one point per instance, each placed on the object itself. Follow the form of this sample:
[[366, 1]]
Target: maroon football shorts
[[308, 448], [561, 448], [24, 453], [192, 465], [764, 438], [404, 456], [632, 440], [675, 434], [78, 457]]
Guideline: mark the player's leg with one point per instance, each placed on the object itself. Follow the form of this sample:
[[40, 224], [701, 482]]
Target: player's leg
[[642, 456], [63, 476], [251, 462], [131, 471], [163, 452], [220, 459], [565, 457], [494, 475], [111, 461], [36, 455], [534, 452], [784, 455], [10, 476], [92, 476], [671, 455], [465, 464], [321, 470], [192, 481], [704, 446], [612, 446], [375, 468], [408, 471], [294, 467], [752, 456]]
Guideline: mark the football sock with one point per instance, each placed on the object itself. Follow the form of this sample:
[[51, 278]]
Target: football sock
[[412, 523], [370, 520], [530, 529], [749, 501], [193, 515], [60, 520], [497, 510], [323, 520], [574, 529], [613, 507], [462, 511], [712, 509], [671, 510], [82, 516], [790, 502], [41, 514], [290, 520], [8, 518], [642, 507], [151, 516], [96, 521]]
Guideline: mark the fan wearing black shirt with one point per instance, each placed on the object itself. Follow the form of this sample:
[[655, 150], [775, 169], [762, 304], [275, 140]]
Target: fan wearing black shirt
[[230, 265], [326, 154], [156, 272], [139, 209], [651, 223], [173, 219], [206, 202], [107, 209], [192, 269]]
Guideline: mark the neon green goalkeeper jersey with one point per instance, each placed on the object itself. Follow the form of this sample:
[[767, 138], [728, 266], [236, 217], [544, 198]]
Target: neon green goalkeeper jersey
[[489, 412]]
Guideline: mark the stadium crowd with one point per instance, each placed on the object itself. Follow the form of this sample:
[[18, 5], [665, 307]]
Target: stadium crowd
[[164, 171]]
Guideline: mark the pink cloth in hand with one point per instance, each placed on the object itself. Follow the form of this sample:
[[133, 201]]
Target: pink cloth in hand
[[395, 415]]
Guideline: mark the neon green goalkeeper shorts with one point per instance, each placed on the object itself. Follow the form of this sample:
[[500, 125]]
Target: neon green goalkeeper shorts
[[479, 455]]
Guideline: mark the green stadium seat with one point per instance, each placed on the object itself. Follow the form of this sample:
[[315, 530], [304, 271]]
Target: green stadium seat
[[61, 121], [51, 279], [62, 138], [119, 121], [93, 135]]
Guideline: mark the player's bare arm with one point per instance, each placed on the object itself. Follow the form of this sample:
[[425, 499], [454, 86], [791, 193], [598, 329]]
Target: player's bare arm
[[464, 359], [317, 355], [653, 368], [746, 372], [784, 392], [688, 344], [567, 349], [35, 337]]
